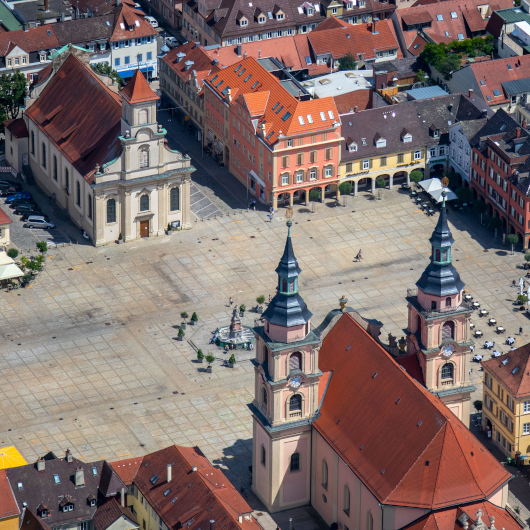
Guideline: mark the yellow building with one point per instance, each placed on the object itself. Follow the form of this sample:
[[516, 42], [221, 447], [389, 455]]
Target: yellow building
[[9, 510], [506, 402]]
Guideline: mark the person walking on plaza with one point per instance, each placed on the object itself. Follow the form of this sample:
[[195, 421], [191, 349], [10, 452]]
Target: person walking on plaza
[[271, 215], [231, 302], [359, 255]]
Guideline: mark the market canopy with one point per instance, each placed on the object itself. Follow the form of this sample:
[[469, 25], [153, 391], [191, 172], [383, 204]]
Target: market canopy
[[437, 195], [431, 185], [10, 271], [10, 457]]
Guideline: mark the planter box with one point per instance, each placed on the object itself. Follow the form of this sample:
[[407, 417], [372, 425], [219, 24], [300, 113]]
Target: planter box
[[120, 241], [209, 369], [231, 365], [180, 338], [242, 313], [260, 309], [201, 360], [169, 232], [194, 322], [184, 325]]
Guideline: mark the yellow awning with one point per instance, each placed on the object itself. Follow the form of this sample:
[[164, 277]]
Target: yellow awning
[[10, 457]]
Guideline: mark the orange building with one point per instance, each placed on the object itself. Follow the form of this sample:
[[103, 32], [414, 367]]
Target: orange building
[[279, 145]]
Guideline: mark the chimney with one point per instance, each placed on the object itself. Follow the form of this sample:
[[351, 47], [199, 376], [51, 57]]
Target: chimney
[[471, 93], [212, 525], [79, 477], [169, 472], [62, 17], [239, 50], [197, 45], [46, 5], [356, 109], [259, 54], [123, 497], [244, 55], [484, 113], [262, 128], [194, 469], [25, 27], [524, 125], [41, 465], [68, 455], [518, 132]]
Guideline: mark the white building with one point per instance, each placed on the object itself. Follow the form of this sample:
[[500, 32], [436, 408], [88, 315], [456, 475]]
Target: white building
[[460, 134]]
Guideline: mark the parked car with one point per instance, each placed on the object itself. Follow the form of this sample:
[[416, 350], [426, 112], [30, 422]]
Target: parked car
[[15, 196], [25, 208], [172, 42], [26, 215], [8, 184], [19, 202], [39, 221], [152, 21], [10, 190]]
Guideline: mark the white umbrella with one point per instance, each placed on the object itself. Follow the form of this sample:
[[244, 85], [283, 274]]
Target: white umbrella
[[431, 184], [10, 271], [437, 195]]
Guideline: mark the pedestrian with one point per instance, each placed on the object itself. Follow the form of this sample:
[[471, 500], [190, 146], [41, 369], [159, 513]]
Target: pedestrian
[[470, 371], [359, 255], [520, 331], [270, 298], [231, 301], [513, 283], [503, 238], [272, 210], [271, 215]]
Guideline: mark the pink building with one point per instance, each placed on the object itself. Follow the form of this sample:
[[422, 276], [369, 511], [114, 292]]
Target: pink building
[[340, 425]]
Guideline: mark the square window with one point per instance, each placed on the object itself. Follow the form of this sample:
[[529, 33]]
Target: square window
[[285, 180], [57, 480], [526, 407]]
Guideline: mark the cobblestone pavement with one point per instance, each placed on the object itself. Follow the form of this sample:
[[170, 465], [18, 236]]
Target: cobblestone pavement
[[89, 355]]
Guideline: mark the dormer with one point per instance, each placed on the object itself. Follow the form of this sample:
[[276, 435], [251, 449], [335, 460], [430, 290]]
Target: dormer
[[260, 16], [406, 137], [188, 64], [66, 504], [434, 131], [91, 500], [352, 146], [307, 8], [379, 141], [42, 510], [241, 19], [180, 56], [278, 12], [348, 5]]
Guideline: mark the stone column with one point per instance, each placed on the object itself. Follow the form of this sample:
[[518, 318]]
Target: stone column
[[408, 178], [525, 242], [373, 184], [125, 217], [291, 199], [307, 197], [161, 189], [99, 220], [391, 182], [185, 201], [355, 188], [338, 193], [322, 193], [275, 201]]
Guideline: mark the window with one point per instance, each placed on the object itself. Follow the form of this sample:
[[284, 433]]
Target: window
[[299, 177], [295, 403], [56, 479], [400, 158], [111, 211], [117, 61], [89, 204], [328, 172], [263, 455], [66, 180], [487, 380], [264, 397], [32, 143], [54, 167], [346, 500], [448, 330], [447, 371], [382, 162], [526, 407], [526, 428], [174, 199], [144, 203], [144, 157], [313, 174], [295, 462], [448, 302], [78, 194], [369, 521], [417, 155], [324, 481]]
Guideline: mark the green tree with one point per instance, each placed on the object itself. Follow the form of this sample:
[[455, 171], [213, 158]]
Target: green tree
[[454, 179], [512, 239], [210, 358], [420, 76], [345, 188], [495, 224], [464, 194], [416, 176], [12, 253], [315, 194], [480, 207], [42, 247], [527, 257], [24, 262], [12, 90], [348, 62], [380, 181], [450, 64], [260, 299]]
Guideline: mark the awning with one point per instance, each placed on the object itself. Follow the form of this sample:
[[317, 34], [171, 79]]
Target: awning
[[253, 174], [130, 73], [431, 185], [10, 271], [437, 195], [10, 457]]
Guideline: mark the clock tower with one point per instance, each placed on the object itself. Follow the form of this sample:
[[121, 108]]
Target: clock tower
[[438, 325], [286, 393]]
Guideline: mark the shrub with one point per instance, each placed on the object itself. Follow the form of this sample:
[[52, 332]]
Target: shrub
[[522, 299], [42, 247], [346, 188], [242, 308], [232, 359], [194, 317], [24, 262], [184, 314], [40, 260], [200, 355], [380, 181], [260, 299], [512, 239], [416, 175], [120, 236], [12, 253], [169, 227], [314, 195], [210, 358], [478, 404], [181, 332]]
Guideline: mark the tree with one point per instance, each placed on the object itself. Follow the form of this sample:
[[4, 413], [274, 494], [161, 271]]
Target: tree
[[464, 194], [42, 247], [480, 207], [512, 239], [12, 253], [345, 188], [315, 194], [12, 90], [210, 358], [380, 181], [454, 178], [420, 76], [348, 62], [416, 176], [260, 299], [527, 257], [495, 224]]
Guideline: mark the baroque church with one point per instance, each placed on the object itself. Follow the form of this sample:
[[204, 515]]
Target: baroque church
[[373, 440]]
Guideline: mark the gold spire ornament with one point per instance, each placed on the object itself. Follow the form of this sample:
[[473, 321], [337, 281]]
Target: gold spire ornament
[[445, 182]]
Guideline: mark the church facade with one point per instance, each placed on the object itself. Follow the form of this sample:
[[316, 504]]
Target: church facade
[[339, 424]]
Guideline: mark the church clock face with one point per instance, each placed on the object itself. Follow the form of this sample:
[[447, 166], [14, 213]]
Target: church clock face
[[447, 351], [295, 382]]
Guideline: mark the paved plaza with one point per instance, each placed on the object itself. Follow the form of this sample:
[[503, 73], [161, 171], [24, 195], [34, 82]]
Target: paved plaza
[[89, 355]]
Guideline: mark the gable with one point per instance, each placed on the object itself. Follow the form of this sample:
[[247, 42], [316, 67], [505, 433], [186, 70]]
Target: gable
[[16, 52]]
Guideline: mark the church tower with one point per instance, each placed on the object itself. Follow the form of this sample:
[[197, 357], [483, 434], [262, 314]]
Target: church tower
[[286, 393], [438, 325]]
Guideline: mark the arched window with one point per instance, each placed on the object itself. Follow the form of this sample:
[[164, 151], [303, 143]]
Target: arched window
[[78, 193], [32, 143], [263, 455], [54, 167], [324, 473], [89, 204], [448, 302], [369, 521], [445, 254], [43, 155], [144, 203], [174, 199], [295, 403], [295, 462], [295, 361], [111, 211], [264, 397], [291, 285], [418, 323], [144, 157], [142, 116], [284, 286], [437, 255], [66, 180], [346, 499], [265, 353], [448, 330], [447, 371]]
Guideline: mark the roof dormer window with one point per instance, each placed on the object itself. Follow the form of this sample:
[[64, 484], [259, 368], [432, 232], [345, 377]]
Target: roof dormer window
[[280, 16], [92, 503], [407, 137], [436, 133], [380, 142], [261, 19], [349, 5], [243, 22], [352, 147], [309, 11]]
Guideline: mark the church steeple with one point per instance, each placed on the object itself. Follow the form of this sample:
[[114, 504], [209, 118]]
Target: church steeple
[[440, 278], [287, 308]]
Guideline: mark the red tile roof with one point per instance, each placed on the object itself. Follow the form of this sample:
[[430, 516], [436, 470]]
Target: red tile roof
[[412, 366], [127, 469], [331, 23], [33, 40], [283, 110], [8, 503], [81, 116], [129, 18], [493, 73], [4, 220], [405, 446], [109, 513], [17, 127], [416, 17], [362, 99], [138, 90], [417, 45], [501, 368], [355, 39], [201, 495]]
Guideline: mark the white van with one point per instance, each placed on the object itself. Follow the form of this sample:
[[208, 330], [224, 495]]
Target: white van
[[38, 221]]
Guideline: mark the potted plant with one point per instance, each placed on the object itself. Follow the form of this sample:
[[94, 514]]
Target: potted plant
[[210, 359], [242, 309], [200, 356], [232, 361], [521, 300], [169, 231], [181, 334], [261, 300], [120, 239], [512, 239], [194, 319]]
